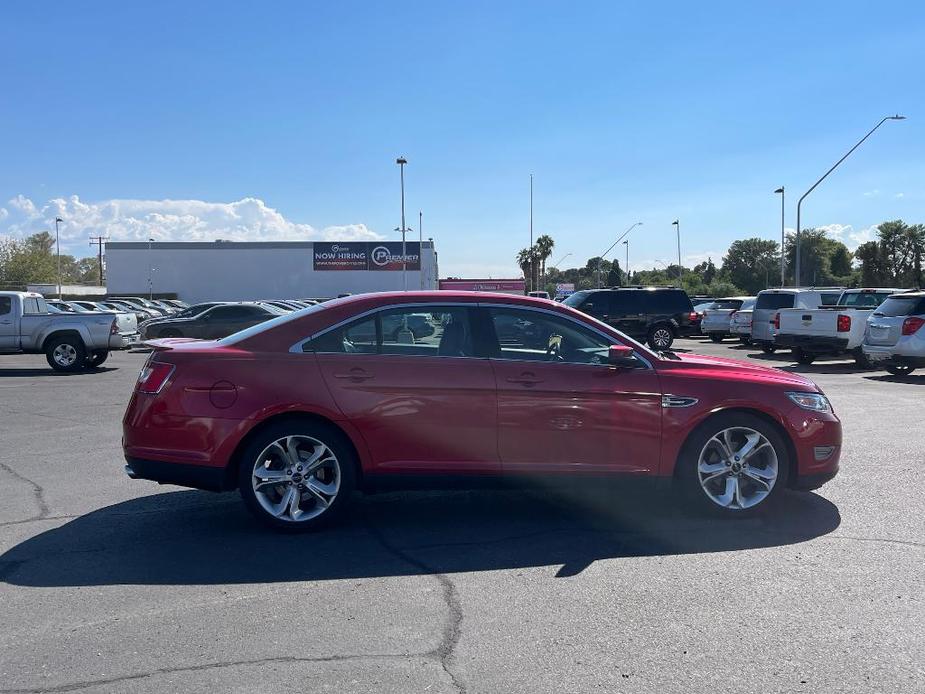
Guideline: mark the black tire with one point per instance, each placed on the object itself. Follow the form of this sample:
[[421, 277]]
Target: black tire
[[802, 356], [345, 461], [66, 354], [170, 332], [97, 357], [716, 337], [687, 477], [768, 349], [661, 337], [745, 340], [861, 360], [900, 369]]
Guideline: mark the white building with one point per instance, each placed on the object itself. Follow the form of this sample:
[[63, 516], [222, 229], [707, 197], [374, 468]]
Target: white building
[[240, 271]]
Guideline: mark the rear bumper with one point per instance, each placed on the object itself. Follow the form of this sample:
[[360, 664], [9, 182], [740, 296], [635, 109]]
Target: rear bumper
[[821, 344], [213, 479]]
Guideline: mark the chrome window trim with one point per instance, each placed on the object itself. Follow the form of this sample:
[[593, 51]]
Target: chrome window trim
[[297, 347]]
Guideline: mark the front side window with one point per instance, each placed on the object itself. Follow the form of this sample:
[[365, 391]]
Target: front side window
[[525, 335], [6, 305]]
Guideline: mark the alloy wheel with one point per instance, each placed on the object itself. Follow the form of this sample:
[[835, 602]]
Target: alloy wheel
[[737, 468], [661, 337], [296, 478], [64, 355]]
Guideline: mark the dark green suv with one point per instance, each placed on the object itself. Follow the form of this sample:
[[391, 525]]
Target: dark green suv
[[655, 314]]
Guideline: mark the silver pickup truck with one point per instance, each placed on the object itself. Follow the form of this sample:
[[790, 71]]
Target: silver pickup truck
[[70, 341]]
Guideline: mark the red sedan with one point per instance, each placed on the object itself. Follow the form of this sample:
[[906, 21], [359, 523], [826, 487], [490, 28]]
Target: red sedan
[[298, 412]]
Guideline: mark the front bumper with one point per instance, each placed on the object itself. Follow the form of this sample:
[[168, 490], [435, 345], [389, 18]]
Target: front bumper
[[817, 440], [816, 344]]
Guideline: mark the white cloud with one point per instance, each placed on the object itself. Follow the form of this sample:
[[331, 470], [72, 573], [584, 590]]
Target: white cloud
[[248, 219], [899, 196], [872, 193], [848, 235]]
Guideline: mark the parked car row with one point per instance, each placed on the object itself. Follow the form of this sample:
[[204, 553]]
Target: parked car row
[[214, 320]]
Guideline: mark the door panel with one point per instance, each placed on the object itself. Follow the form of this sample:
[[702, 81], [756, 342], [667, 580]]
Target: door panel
[[554, 417], [561, 407], [9, 339], [419, 405]]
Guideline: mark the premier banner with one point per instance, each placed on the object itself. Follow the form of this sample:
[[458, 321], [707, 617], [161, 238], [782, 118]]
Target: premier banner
[[374, 255]]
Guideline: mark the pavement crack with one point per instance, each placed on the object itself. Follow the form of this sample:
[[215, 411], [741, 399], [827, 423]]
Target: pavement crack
[[452, 630], [38, 519], [38, 492], [74, 686], [886, 540]]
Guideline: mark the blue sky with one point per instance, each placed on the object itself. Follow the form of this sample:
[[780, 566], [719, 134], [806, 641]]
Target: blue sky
[[273, 120]]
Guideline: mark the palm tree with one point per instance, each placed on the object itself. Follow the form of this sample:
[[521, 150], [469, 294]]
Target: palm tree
[[526, 259], [543, 249]]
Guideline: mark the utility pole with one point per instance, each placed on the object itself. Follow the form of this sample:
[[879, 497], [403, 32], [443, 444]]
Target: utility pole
[[99, 240], [532, 261], [421, 247], [781, 192], [58, 221], [401, 161], [677, 225]]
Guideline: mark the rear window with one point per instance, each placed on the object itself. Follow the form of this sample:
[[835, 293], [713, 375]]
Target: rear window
[[901, 306], [773, 302], [830, 299], [733, 304], [862, 299]]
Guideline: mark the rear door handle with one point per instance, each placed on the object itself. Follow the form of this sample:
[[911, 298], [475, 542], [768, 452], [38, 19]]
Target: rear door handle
[[355, 375], [526, 379]]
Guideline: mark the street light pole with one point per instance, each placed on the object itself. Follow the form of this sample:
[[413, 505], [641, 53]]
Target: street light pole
[[401, 161], [677, 224], [626, 268], [58, 221], [834, 166], [782, 266], [421, 247], [612, 246], [150, 272], [532, 261]]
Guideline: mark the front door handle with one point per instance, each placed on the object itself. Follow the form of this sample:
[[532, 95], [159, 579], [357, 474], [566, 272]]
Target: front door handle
[[355, 375], [527, 379]]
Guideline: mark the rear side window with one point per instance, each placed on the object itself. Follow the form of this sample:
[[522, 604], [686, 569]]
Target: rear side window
[[625, 303], [32, 306], [773, 302], [667, 302], [6, 305], [901, 306]]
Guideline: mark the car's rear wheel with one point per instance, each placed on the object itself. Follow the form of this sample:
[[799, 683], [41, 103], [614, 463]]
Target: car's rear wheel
[[97, 357], [734, 465], [171, 332], [66, 354], [900, 369], [745, 340], [769, 349], [861, 360], [716, 337], [661, 337], [802, 356], [297, 476]]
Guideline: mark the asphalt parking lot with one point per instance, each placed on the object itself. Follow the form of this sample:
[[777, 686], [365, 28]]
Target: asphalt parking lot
[[113, 585]]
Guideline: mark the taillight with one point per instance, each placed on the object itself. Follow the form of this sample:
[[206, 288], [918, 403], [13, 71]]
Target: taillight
[[113, 329], [776, 321], [693, 315], [843, 323], [154, 376], [912, 324]]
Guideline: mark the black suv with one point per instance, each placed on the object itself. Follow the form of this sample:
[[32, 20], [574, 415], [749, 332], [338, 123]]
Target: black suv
[[655, 314]]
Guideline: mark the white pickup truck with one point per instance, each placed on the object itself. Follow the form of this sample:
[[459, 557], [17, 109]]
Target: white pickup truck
[[829, 330], [70, 341]]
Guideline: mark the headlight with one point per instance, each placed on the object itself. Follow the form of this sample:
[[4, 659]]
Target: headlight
[[811, 401]]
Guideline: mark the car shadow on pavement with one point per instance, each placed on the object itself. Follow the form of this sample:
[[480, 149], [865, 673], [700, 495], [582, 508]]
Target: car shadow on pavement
[[191, 537], [912, 379], [32, 373]]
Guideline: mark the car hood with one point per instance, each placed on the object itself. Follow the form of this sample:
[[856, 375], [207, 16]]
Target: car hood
[[734, 369]]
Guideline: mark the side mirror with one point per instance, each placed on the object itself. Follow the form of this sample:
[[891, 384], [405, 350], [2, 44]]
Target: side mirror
[[620, 355]]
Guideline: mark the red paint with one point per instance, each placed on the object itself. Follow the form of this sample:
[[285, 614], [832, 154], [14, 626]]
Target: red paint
[[456, 414]]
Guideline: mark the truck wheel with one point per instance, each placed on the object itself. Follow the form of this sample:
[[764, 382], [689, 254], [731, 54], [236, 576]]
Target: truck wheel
[[66, 354], [861, 360], [802, 356], [97, 357], [716, 337], [900, 369], [745, 340], [769, 349]]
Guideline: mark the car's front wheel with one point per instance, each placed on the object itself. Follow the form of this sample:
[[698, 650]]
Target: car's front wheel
[[734, 465], [297, 476], [769, 349], [661, 337], [716, 337], [900, 369], [803, 357]]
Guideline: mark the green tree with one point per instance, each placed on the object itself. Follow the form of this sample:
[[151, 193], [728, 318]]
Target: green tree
[[749, 263], [824, 260]]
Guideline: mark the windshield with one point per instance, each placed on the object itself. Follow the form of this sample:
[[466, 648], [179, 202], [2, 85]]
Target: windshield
[[575, 300], [270, 324]]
